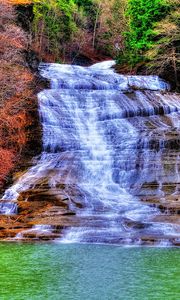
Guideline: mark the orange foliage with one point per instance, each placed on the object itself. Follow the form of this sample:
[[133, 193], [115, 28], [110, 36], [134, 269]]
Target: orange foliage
[[6, 163], [13, 37], [18, 2], [16, 82]]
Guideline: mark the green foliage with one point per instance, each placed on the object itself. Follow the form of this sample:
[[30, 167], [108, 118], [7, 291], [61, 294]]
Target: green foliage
[[88, 8], [164, 55], [142, 15], [57, 22], [136, 32], [87, 5], [53, 23]]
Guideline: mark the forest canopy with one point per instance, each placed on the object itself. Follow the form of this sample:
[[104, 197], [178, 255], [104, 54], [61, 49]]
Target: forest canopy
[[137, 33]]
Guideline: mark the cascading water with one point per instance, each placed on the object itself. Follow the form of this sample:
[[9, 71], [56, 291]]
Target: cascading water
[[109, 136]]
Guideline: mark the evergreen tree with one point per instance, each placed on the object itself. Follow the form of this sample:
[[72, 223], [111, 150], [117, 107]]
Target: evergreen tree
[[141, 18]]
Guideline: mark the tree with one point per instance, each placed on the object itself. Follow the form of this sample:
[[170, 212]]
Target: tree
[[53, 24], [164, 55], [141, 16], [110, 25]]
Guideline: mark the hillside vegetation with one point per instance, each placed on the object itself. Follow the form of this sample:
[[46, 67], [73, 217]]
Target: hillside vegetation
[[142, 35], [152, 38], [17, 101]]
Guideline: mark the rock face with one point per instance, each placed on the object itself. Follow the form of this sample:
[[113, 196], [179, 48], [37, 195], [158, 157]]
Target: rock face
[[42, 214], [109, 168]]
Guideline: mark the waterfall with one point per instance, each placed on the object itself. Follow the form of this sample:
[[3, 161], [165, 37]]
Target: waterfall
[[115, 139]]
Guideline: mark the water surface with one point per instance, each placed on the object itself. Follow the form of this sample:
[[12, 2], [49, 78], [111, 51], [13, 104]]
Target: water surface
[[92, 272]]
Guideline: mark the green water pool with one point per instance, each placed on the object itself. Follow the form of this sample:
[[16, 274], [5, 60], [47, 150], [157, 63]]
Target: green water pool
[[88, 272]]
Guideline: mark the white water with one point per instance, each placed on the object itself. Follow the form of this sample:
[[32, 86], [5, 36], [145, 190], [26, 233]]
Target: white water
[[35, 230], [106, 134]]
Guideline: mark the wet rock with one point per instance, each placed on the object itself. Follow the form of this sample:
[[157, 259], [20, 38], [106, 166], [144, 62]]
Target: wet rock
[[134, 224]]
